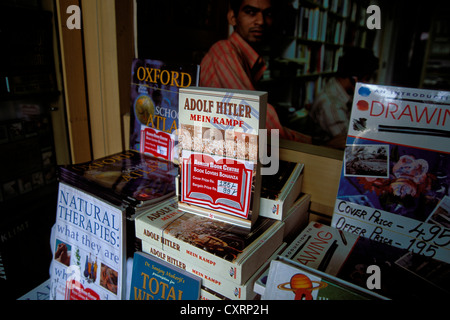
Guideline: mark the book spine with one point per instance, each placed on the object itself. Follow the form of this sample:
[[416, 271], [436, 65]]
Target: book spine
[[237, 271], [210, 280], [275, 209]]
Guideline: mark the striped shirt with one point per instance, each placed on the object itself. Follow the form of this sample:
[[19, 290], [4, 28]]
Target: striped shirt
[[234, 64]]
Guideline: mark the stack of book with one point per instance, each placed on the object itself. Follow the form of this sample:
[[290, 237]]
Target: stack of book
[[94, 230], [390, 227], [227, 258], [365, 268], [219, 229]]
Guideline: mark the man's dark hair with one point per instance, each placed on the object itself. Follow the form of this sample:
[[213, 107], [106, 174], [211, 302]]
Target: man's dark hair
[[235, 5], [357, 62]]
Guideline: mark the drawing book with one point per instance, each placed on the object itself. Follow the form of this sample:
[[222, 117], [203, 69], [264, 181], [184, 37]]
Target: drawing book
[[155, 279], [394, 186], [219, 161], [279, 191], [348, 256], [154, 105]]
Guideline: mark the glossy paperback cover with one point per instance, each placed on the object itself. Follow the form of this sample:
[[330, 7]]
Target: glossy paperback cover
[[348, 257], [220, 170], [89, 247], [155, 279], [154, 105], [127, 178], [394, 186]]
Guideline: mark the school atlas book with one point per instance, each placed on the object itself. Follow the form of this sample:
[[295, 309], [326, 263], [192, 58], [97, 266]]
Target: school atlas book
[[401, 274], [219, 161], [222, 248], [154, 105], [394, 186], [127, 178], [279, 191], [155, 279]]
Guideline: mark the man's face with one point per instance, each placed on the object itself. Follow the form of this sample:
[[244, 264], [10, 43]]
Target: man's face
[[253, 21]]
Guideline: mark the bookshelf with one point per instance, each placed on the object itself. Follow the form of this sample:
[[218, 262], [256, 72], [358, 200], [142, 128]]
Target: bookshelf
[[436, 67], [314, 35]]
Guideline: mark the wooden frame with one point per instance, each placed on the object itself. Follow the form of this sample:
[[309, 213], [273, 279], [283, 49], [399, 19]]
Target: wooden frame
[[100, 43], [72, 62]]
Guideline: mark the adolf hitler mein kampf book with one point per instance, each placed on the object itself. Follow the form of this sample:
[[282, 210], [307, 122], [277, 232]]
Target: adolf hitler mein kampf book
[[224, 249], [94, 229], [154, 105], [219, 161], [394, 186]]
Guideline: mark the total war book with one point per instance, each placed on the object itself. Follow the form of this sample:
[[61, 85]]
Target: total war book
[[155, 279], [154, 105], [219, 160], [222, 248], [394, 185]]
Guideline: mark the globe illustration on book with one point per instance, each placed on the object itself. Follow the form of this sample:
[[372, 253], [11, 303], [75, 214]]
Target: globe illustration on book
[[302, 286], [144, 109]]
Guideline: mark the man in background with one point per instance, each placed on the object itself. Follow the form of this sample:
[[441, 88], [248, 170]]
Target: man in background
[[236, 63], [331, 110]]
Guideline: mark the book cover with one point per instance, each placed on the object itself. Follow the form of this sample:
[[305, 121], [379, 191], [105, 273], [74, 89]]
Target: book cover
[[288, 280], [394, 186], [89, 247], [279, 191], [219, 161], [154, 105], [127, 178], [155, 279], [348, 257], [225, 249]]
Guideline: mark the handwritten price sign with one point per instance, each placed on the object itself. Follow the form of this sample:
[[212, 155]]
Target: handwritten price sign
[[227, 187]]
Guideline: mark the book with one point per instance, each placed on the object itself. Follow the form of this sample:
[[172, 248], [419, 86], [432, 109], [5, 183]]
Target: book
[[219, 163], [347, 256], [89, 247], [279, 191], [155, 279], [288, 280], [128, 178], [394, 185], [229, 251], [94, 229], [154, 105], [215, 282]]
